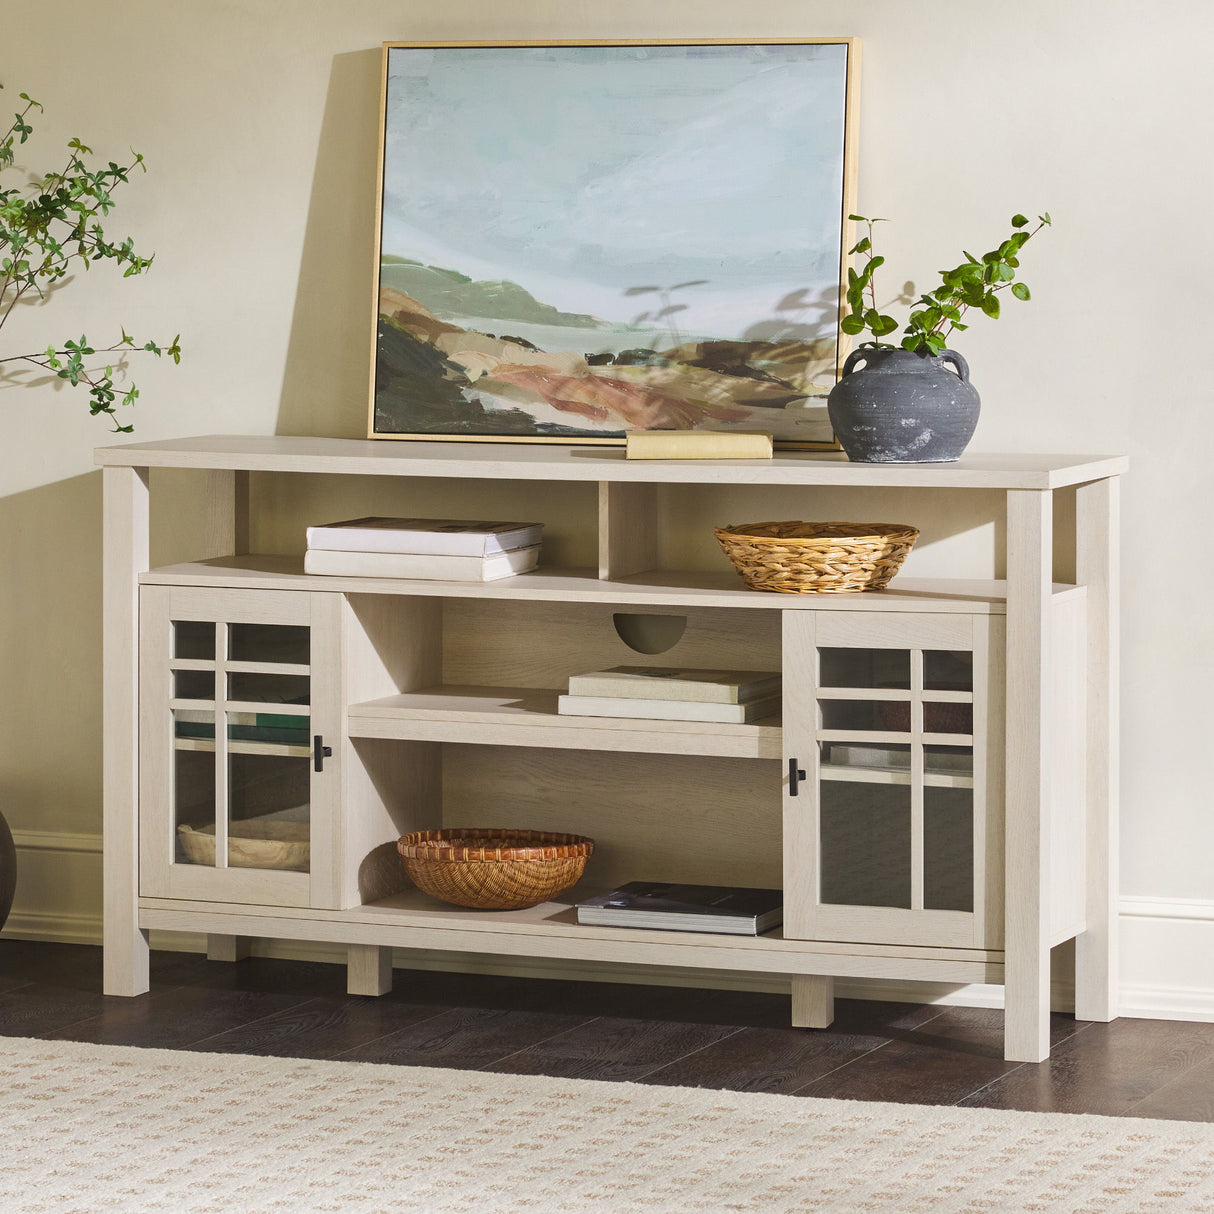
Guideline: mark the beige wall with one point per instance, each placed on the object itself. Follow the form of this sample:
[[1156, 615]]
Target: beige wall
[[258, 120]]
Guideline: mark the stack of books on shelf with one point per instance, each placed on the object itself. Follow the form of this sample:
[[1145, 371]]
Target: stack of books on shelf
[[729, 909], [673, 693], [448, 550]]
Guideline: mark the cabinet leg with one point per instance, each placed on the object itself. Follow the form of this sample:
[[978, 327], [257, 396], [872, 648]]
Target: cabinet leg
[[125, 962], [1097, 528], [368, 969], [813, 1002], [1026, 1001], [1096, 974], [228, 948], [125, 515], [1029, 775]]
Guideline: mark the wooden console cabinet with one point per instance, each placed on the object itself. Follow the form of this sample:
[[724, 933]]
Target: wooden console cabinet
[[984, 835]]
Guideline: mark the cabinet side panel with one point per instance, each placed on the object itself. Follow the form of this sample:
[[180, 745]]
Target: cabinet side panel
[[990, 710], [800, 817], [125, 532], [327, 717], [628, 529], [155, 778], [1068, 800]]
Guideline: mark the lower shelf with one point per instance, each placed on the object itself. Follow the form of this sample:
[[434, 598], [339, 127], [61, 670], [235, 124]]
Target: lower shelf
[[526, 716], [413, 920]]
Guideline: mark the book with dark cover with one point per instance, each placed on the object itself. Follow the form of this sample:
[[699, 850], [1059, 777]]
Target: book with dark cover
[[730, 909]]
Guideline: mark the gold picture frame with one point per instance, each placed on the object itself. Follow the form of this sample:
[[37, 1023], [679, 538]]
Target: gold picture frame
[[579, 238]]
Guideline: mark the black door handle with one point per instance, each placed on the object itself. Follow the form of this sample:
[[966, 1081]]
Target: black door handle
[[795, 776], [320, 752]]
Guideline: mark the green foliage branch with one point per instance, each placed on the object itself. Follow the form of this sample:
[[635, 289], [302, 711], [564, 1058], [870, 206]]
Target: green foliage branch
[[976, 283], [50, 226]]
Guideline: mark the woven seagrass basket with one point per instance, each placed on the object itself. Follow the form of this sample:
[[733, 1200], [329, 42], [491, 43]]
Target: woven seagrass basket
[[492, 869], [817, 558]]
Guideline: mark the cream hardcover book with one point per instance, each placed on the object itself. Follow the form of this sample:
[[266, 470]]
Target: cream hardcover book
[[669, 710], [421, 566], [676, 683], [438, 536]]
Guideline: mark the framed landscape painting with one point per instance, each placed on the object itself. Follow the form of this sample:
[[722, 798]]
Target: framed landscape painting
[[576, 240]]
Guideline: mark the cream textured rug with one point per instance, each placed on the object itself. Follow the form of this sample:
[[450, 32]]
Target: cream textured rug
[[87, 1128]]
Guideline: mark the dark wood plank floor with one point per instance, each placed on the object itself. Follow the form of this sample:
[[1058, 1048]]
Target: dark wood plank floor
[[657, 1035]]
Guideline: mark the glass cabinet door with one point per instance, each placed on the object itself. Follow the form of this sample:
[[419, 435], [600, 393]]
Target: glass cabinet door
[[236, 710], [889, 837]]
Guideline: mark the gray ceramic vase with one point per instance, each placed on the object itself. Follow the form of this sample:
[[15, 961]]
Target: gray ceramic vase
[[902, 407]]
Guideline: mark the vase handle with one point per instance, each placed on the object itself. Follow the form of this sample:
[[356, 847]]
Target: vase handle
[[854, 357], [963, 368]]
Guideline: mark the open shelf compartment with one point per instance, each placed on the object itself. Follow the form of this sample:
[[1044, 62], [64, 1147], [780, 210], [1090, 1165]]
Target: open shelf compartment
[[652, 587]]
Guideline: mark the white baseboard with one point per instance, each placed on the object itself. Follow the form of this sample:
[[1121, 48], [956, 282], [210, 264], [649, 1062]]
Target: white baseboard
[[1167, 948], [57, 928], [56, 840]]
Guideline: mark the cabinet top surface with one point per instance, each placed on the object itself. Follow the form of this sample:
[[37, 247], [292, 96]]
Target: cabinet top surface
[[558, 462]]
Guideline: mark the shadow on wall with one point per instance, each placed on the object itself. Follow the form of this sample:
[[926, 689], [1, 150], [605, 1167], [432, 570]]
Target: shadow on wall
[[50, 656], [325, 386]]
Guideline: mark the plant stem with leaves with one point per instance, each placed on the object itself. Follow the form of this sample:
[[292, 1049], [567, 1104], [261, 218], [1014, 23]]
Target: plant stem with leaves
[[975, 283], [50, 226]]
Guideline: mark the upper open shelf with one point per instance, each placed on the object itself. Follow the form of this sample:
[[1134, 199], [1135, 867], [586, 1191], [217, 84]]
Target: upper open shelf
[[656, 587], [560, 462]]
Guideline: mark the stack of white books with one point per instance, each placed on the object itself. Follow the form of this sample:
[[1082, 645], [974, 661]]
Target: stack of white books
[[673, 693], [449, 550]]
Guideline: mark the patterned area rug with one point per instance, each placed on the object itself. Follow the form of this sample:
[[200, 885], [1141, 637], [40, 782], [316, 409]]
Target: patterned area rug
[[85, 1128]]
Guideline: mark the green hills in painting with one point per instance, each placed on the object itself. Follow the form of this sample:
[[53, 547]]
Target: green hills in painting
[[450, 293]]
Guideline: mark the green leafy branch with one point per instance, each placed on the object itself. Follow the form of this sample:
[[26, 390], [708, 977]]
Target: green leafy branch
[[975, 283], [865, 313], [50, 226], [68, 364]]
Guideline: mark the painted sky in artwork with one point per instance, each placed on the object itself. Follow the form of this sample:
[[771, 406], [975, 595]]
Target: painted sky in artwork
[[580, 172]]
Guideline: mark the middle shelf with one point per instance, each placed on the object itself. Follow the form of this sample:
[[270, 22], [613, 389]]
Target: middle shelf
[[523, 716]]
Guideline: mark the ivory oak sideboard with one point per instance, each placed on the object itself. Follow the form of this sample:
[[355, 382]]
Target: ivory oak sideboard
[[938, 799]]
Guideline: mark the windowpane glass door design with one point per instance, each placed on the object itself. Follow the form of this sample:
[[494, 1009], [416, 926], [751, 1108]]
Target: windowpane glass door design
[[889, 829], [241, 799], [237, 761]]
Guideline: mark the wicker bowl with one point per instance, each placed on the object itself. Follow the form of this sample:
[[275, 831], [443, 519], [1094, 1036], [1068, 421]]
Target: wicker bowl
[[493, 869], [278, 840], [817, 558]]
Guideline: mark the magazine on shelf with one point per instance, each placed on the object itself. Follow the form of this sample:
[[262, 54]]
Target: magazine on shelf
[[421, 566], [432, 536], [676, 683], [729, 909], [668, 710]]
